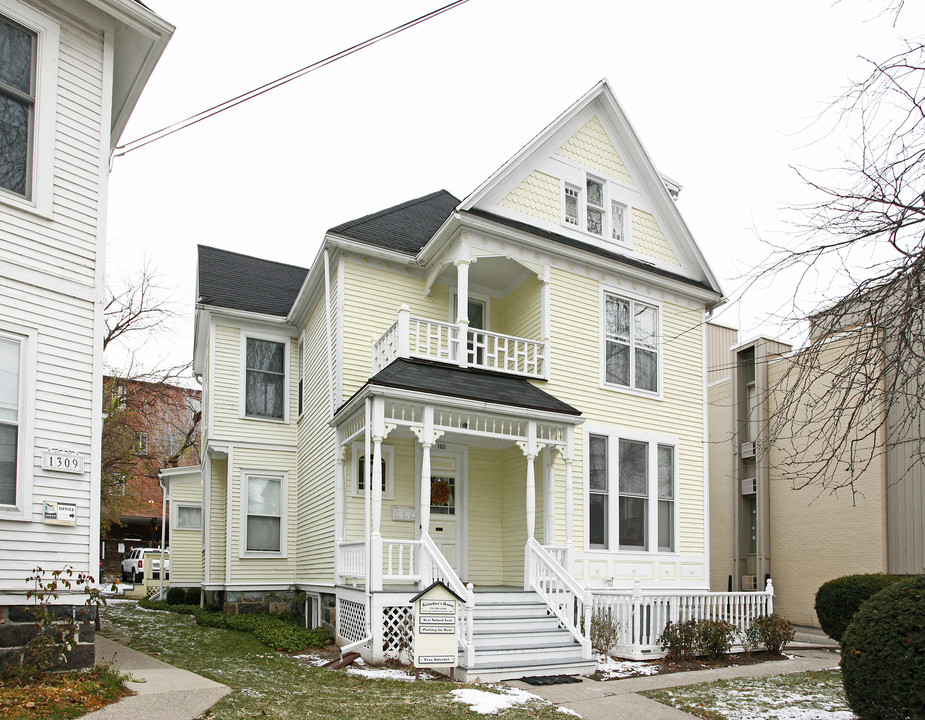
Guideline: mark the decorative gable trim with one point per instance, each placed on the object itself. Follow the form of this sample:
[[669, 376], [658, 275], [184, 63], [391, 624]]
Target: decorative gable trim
[[592, 148]]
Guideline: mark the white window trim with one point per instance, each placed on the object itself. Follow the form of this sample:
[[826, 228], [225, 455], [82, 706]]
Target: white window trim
[[388, 454], [47, 33], [175, 516], [480, 297], [660, 345], [578, 180], [301, 351], [283, 477], [25, 464], [269, 337], [614, 435]]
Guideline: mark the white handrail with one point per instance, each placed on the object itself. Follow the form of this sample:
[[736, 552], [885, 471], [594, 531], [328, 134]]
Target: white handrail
[[567, 600], [352, 559], [431, 555]]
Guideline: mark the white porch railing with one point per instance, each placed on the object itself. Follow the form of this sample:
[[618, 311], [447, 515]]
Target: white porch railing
[[434, 566], [440, 341], [561, 592], [399, 560], [642, 615], [352, 560]]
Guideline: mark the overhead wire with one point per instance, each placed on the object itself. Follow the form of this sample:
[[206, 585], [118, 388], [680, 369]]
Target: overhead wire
[[168, 130]]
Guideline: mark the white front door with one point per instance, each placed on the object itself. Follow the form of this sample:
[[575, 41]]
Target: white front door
[[447, 503]]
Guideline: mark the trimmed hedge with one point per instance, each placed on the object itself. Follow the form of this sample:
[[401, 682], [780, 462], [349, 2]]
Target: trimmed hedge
[[176, 596], [838, 600], [278, 630], [883, 654]]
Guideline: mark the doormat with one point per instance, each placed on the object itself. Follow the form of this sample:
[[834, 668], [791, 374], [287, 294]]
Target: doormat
[[550, 679]]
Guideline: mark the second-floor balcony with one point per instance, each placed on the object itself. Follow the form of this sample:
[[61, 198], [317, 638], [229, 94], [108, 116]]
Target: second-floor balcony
[[458, 344]]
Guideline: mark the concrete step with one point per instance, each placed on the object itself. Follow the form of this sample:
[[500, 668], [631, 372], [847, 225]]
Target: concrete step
[[520, 609], [516, 623], [512, 670]]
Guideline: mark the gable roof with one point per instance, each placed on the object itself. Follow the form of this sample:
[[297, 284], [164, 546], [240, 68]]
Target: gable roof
[[406, 227], [240, 282], [478, 385]]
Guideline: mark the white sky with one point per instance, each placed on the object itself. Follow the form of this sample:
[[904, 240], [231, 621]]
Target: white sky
[[721, 93]]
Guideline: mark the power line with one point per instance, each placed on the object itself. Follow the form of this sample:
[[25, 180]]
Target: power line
[[273, 84]]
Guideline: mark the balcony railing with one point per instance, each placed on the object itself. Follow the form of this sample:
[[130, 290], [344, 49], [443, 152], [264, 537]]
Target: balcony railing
[[440, 341]]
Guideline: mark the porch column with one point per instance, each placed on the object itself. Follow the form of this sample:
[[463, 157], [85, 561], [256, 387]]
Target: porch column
[[529, 449], [427, 436], [569, 456], [380, 431], [462, 312]]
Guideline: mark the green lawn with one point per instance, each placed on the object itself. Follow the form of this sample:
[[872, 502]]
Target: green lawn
[[268, 684], [799, 696]]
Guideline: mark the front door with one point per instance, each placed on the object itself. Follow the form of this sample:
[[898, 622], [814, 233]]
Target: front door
[[447, 480]]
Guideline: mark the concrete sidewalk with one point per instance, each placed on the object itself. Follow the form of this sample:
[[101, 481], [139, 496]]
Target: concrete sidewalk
[[164, 692], [615, 699]]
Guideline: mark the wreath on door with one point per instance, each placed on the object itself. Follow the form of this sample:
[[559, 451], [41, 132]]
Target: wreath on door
[[439, 492]]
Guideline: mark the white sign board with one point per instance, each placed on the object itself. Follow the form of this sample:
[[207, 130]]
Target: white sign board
[[57, 513], [436, 628]]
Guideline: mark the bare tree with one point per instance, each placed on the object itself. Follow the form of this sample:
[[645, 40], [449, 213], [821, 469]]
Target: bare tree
[[857, 385]]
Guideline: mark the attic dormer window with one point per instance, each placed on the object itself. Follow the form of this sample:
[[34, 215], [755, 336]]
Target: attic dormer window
[[593, 210]]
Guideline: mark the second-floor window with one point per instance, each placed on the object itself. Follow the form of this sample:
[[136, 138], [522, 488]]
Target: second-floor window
[[265, 381], [17, 107], [630, 343]]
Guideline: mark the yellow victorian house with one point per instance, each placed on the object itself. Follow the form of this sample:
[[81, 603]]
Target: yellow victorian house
[[504, 392]]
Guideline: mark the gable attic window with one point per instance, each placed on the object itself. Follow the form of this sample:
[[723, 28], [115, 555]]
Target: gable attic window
[[265, 381], [593, 210], [17, 107]]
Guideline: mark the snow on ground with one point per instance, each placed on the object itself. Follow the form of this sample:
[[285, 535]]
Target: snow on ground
[[489, 703], [310, 659], [611, 669], [379, 673]]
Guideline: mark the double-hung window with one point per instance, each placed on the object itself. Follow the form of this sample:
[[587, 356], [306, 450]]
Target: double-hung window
[[265, 382], [17, 107], [631, 493], [630, 343], [386, 467], [10, 417], [264, 503], [188, 517]]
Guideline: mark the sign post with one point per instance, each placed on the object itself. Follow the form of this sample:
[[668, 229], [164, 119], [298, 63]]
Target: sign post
[[436, 628]]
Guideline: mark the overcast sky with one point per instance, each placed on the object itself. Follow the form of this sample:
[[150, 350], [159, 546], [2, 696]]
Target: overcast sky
[[722, 94]]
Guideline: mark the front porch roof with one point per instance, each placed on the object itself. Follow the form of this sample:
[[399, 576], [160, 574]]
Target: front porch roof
[[467, 383]]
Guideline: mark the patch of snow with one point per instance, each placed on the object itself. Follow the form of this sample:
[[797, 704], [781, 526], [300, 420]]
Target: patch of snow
[[611, 669], [387, 673], [569, 711], [489, 703], [311, 659]]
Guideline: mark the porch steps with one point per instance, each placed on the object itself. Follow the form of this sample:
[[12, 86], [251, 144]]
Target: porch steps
[[515, 635]]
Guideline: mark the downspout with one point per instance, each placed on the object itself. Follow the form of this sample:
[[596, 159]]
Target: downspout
[[163, 533], [329, 323]]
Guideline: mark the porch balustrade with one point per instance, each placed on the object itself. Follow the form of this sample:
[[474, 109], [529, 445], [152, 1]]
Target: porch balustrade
[[440, 341], [641, 616], [561, 592], [352, 561], [399, 560]]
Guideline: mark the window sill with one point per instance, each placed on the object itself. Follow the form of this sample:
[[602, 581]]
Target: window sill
[[632, 391], [259, 418], [257, 554], [26, 206]]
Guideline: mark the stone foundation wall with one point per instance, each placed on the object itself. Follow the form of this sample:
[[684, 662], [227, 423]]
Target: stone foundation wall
[[18, 628], [328, 612]]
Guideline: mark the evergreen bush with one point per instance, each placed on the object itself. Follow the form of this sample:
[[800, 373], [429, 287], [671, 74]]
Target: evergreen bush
[[883, 654], [192, 596], [838, 600], [176, 596], [715, 637]]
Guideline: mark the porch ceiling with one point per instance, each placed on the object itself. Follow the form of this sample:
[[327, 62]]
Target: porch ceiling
[[479, 385]]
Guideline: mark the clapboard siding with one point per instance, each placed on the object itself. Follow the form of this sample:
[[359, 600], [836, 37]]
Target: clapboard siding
[[218, 526], [185, 543]]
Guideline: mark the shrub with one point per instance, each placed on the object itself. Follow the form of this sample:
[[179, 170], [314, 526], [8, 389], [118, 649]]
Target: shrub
[[278, 630], [176, 596], [605, 630], [179, 609], [679, 640], [750, 639], [883, 654], [714, 637], [192, 596], [838, 600], [773, 631]]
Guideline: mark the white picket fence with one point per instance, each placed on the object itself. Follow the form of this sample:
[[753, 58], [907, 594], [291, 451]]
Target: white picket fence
[[641, 615]]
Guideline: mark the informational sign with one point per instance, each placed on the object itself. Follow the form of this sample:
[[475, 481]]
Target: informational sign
[[60, 460], [57, 513], [436, 627]]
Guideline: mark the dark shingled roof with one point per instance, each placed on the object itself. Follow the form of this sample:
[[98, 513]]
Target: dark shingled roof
[[406, 227], [480, 385], [241, 282], [616, 257]]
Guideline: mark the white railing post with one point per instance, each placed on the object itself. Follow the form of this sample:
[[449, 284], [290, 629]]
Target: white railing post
[[769, 590], [470, 611], [403, 346], [637, 617]]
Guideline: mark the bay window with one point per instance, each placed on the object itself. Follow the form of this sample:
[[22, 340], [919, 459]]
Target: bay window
[[265, 378], [631, 492]]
